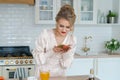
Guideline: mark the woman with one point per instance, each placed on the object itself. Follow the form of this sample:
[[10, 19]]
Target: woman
[[48, 54]]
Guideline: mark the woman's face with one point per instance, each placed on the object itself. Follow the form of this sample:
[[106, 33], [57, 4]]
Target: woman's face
[[63, 27]]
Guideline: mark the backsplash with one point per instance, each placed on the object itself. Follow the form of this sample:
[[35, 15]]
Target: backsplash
[[17, 27]]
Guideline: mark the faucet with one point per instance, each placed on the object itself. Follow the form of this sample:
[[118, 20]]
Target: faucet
[[86, 48]]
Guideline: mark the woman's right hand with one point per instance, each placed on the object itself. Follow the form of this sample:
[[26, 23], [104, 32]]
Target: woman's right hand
[[57, 49], [61, 48]]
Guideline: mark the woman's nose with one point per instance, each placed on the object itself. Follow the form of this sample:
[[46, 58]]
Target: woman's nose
[[64, 29]]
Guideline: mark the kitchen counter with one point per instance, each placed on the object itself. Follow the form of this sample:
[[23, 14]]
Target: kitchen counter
[[97, 56], [80, 77]]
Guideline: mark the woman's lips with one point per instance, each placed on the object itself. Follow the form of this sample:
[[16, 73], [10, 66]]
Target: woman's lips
[[63, 32]]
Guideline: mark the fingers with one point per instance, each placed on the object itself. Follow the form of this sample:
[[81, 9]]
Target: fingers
[[58, 49]]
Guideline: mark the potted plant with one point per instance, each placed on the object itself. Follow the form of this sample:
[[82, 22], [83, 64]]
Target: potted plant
[[112, 45], [111, 17]]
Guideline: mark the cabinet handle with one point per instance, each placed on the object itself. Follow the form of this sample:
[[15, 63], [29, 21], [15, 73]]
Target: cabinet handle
[[10, 69], [29, 68], [7, 69]]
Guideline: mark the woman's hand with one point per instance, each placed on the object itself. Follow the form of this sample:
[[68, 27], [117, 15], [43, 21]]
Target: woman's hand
[[61, 48]]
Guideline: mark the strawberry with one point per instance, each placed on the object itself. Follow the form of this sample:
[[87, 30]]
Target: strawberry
[[64, 47]]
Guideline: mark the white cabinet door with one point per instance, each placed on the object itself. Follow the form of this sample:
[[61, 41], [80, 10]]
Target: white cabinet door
[[45, 11], [80, 67], [109, 68], [86, 12]]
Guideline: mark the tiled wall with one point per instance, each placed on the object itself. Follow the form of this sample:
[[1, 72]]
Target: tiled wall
[[17, 27]]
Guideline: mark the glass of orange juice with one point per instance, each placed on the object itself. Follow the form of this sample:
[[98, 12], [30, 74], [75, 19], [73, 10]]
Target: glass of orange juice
[[44, 75], [1, 78]]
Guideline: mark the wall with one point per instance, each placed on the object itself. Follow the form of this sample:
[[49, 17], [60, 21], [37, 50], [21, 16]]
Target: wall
[[104, 6], [17, 27], [116, 32]]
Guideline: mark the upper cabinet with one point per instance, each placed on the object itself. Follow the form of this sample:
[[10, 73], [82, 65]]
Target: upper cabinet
[[45, 11], [87, 11]]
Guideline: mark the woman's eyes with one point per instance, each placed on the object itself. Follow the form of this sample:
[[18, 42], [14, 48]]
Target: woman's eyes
[[68, 27], [61, 26], [65, 26]]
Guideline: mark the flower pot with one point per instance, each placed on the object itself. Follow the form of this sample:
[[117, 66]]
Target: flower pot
[[111, 20], [111, 52]]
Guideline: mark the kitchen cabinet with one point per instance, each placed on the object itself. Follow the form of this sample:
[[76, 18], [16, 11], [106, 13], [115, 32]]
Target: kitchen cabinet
[[81, 67], [46, 10], [108, 68], [86, 12], [30, 2]]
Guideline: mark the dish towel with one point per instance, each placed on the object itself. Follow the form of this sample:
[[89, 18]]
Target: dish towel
[[21, 73]]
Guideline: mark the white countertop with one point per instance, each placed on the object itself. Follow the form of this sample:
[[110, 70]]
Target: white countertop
[[77, 77], [102, 55]]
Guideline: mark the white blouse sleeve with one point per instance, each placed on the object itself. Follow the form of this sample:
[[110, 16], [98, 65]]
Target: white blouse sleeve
[[38, 52], [68, 57]]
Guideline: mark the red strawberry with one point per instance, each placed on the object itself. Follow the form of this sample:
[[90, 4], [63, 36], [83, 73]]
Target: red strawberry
[[64, 47]]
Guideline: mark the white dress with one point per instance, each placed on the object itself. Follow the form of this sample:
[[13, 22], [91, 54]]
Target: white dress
[[45, 58]]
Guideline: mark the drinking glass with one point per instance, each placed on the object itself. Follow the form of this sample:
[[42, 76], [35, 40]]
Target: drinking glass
[[44, 74]]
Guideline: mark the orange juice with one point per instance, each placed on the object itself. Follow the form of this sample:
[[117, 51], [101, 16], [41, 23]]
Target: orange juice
[[44, 75], [1, 78]]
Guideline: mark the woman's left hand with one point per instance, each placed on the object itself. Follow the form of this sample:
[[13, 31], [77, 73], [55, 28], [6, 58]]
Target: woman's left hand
[[61, 48]]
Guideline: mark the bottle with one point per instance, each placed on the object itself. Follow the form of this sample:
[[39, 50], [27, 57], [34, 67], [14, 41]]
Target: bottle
[[98, 16], [109, 13], [91, 77], [103, 18]]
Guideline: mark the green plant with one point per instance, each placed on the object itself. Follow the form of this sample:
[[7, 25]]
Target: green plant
[[112, 45], [111, 14]]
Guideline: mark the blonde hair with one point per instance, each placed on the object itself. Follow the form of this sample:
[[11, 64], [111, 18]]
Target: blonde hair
[[66, 12]]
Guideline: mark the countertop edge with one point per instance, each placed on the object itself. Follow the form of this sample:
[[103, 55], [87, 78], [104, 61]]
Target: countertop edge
[[96, 56]]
